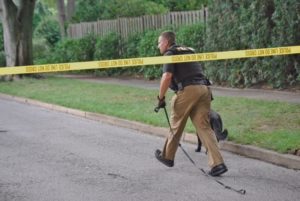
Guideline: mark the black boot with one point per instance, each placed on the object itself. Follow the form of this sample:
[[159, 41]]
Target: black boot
[[218, 170], [166, 162]]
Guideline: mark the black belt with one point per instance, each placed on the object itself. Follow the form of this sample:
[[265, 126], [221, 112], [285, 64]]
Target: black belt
[[186, 83]]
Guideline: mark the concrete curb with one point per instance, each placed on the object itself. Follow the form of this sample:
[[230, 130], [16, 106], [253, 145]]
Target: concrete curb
[[285, 160]]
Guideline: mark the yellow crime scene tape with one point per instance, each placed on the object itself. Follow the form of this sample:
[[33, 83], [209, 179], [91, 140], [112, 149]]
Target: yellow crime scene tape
[[132, 62]]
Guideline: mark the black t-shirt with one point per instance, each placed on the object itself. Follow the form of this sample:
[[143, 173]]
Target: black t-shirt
[[182, 71]]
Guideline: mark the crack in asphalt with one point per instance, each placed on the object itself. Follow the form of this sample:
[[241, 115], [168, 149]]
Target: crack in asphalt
[[115, 176]]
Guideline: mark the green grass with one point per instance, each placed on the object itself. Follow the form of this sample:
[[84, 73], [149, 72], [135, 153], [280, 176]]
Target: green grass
[[268, 124]]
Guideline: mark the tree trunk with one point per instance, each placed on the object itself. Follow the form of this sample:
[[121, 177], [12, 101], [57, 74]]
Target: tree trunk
[[61, 16], [70, 9], [0, 12], [17, 31]]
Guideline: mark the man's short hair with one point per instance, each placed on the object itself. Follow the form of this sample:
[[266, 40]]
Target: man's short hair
[[169, 35]]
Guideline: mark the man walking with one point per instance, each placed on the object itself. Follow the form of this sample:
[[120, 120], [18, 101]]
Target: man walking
[[192, 99]]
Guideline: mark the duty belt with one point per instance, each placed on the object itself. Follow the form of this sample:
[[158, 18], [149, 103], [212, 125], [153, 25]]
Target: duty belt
[[183, 84]]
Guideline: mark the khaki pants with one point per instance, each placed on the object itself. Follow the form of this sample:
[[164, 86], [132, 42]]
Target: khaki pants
[[194, 102]]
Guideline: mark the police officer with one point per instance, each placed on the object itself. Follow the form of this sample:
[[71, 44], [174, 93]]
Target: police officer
[[192, 99]]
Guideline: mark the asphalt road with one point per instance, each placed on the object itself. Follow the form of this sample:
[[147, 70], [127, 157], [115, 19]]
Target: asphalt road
[[52, 156]]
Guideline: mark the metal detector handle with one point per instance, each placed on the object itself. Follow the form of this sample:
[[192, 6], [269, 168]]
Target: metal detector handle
[[156, 109]]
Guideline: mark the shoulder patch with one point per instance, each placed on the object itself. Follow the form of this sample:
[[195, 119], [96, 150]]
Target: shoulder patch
[[185, 49]]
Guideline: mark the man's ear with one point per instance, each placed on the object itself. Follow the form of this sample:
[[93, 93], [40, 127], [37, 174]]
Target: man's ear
[[169, 45]]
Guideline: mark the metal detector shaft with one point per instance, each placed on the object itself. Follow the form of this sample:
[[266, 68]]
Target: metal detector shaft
[[167, 116]]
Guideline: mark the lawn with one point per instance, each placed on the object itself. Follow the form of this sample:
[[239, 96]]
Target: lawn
[[268, 124]]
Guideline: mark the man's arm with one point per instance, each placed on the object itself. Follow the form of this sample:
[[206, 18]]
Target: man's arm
[[164, 84]]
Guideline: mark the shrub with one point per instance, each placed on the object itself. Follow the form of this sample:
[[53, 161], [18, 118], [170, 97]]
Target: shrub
[[192, 36], [108, 47], [130, 46], [286, 33], [41, 51], [48, 29], [130, 50], [63, 51], [72, 50], [253, 24], [2, 59], [85, 48], [147, 48]]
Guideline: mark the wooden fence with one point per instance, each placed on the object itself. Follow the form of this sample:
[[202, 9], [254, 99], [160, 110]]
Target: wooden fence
[[128, 26]]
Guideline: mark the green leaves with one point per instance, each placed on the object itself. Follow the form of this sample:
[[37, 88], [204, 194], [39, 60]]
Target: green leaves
[[234, 25], [108, 47], [91, 10], [192, 36], [48, 28]]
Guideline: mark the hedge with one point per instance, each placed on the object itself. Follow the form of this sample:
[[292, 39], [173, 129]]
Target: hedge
[[235, 25], [231, 25]]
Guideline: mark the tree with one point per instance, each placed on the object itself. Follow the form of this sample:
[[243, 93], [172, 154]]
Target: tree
[[87, 10], [41, 11], [1, 32], [17, 31], [132, 8], [175, 5], [1, 12], [61, 16], [92, 10], [65, 14], [70, 9], [49, 3]]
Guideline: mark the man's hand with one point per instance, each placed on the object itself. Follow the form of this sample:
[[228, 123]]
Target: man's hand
[[163, 88], [161, 103]]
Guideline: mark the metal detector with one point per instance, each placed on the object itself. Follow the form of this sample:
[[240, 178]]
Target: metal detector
[[241, 191]]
